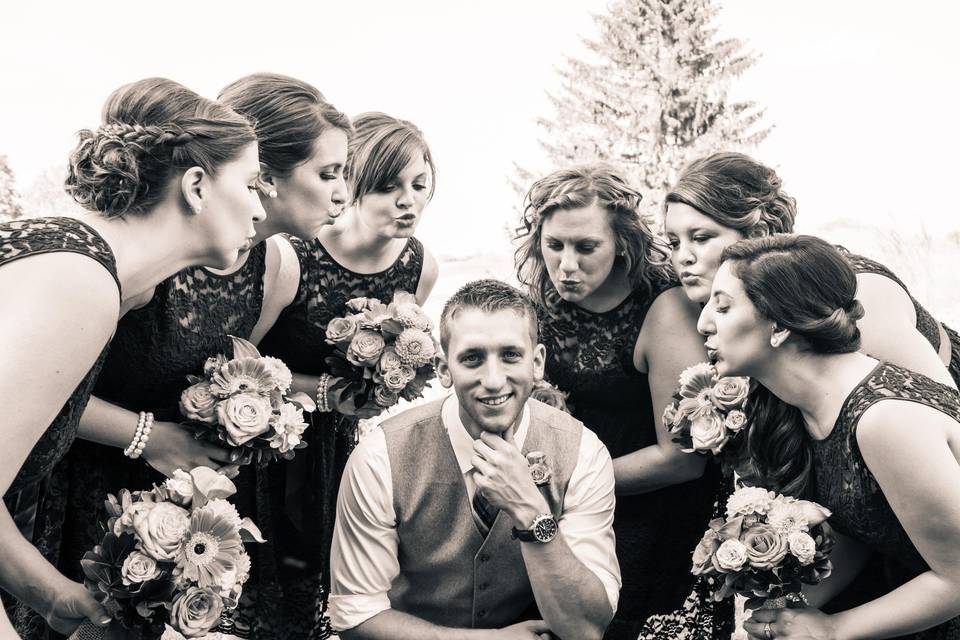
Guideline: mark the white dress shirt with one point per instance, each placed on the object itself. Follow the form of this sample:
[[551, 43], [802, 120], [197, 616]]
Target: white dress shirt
[[364, 554]]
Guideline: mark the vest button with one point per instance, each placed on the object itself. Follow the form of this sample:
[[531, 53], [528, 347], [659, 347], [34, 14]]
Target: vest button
[[482, 613], [484, 557], [483, 587]]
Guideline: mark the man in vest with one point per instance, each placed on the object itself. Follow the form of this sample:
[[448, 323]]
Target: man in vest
[[460, 516]]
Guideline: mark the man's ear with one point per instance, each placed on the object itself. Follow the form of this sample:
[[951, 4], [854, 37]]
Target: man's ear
[[539, 361], [443, 371]]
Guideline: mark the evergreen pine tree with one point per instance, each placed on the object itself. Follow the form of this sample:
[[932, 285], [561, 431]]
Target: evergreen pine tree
[[654, 96], [10, 206]]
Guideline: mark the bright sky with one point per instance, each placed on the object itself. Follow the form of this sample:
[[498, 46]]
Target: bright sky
[[863, 94]]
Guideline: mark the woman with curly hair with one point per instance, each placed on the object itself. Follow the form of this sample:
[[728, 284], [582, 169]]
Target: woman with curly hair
[[619, 331], [852, 431], [170, 184]]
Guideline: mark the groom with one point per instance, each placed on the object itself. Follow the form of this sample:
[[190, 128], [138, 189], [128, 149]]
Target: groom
[[459, 516]]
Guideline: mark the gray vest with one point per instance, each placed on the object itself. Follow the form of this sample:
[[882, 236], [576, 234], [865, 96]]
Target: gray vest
[[450, 574]]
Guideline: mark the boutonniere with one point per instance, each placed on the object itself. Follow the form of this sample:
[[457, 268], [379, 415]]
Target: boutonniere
[[539, 469]]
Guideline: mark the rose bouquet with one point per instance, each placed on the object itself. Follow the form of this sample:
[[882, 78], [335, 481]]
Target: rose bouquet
[[766, 548], [382, 352], [707, 410], [244, 403], [171, 560]]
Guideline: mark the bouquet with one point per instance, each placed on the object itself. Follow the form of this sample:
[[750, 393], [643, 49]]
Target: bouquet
[[244, 403], [171, 561], [707, 410], [382, 352], [766, 548]]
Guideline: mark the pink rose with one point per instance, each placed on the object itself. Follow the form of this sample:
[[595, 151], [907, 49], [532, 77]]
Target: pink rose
[[365, 348], [342, 330], [389, 360], [244, 416], [198, 403], [196, 611], [384, 397], [138, 567], [765, 546], [802, 546], [735, 420], [730, 393]]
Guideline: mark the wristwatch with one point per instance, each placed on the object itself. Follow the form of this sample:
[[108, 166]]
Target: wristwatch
[[543, 530]]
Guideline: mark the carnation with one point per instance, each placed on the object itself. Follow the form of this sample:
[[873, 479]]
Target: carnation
[[802, 546], [288, 425], [749, 500], [279, 371], [410, 315], [224, 509]]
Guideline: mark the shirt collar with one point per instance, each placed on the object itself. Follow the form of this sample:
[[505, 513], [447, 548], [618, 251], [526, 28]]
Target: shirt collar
[[461, 439]]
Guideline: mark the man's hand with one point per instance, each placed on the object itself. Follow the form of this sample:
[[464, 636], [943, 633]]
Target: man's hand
[[504, 479], [529, 630]]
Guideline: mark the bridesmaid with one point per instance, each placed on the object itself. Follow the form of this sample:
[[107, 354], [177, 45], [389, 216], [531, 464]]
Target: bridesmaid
[[783, 311], [186, 318], [370, 252], [619, 331], [170, 183], [725, 197]]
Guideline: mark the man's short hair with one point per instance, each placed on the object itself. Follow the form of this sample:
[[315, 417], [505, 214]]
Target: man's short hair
[[488, 295]]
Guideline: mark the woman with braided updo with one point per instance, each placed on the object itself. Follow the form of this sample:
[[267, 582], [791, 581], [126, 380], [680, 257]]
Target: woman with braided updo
[[188, 317], [170, 185], [618, 332], [877, 444], [725, 197]]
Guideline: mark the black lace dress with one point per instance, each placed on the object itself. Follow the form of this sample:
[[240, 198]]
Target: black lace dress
[[309, 484], [927, 325], [31, 490], [154, 348], [844, 484], [590, 356]]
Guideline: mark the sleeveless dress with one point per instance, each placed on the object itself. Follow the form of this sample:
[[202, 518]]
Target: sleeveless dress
[[31, 491], [154, 348], [927, 325], [309, 484], [844, 484], [590, 356]]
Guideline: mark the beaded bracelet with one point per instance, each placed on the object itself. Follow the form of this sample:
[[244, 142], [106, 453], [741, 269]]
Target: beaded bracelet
[[323, 384], [140, 436]]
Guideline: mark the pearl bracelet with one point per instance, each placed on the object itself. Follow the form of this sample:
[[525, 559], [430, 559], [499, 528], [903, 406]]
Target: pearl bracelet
[[140, 436], [323, 385]]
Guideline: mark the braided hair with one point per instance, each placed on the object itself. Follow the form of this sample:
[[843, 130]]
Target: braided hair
[[153, 130]]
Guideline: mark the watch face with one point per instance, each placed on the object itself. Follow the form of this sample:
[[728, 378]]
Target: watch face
[[545, 528]]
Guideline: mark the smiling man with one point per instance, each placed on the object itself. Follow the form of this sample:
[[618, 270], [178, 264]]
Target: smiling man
[[468, 516]]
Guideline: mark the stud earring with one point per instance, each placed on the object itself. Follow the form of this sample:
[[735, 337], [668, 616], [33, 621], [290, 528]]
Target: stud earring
[[273, 193], [197, 209]]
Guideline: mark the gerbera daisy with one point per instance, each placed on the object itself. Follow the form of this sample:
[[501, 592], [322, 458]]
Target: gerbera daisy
[[241, 375], [210, 549]]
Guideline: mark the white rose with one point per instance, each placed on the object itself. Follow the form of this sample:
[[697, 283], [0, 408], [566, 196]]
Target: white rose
[[160, 530]]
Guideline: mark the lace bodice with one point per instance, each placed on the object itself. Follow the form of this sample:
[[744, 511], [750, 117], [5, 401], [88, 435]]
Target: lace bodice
[[22, 238], [187, 320], [590, 356], [927, 325], [298, 337], [845, 485]]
